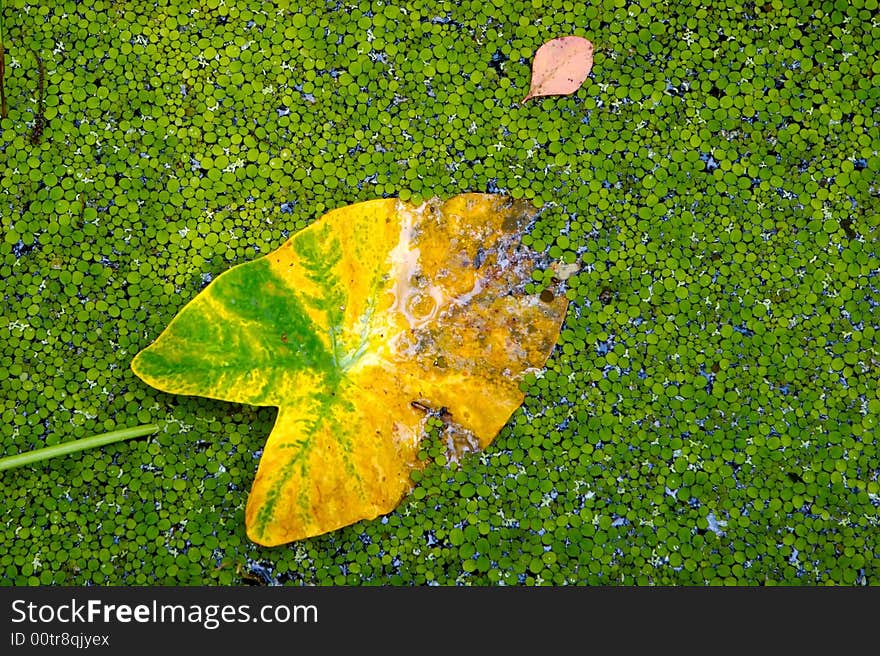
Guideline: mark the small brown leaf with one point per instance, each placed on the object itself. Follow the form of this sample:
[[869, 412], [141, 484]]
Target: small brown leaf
[[560, 67]]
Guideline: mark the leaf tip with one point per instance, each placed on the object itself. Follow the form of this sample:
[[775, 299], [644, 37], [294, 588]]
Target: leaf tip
[[134, 364]]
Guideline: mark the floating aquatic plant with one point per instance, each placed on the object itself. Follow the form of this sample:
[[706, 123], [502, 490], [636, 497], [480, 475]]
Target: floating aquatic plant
[[710, 412], [3, 111]]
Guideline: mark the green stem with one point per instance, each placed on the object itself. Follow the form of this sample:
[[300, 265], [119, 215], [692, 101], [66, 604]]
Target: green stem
[[30, 457]]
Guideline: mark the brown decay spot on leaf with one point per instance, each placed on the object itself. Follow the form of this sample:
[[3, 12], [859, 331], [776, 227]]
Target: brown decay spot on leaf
[[457, 440]]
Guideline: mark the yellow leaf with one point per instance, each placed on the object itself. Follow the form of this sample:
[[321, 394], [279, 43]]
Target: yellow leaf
[[358, 328]]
